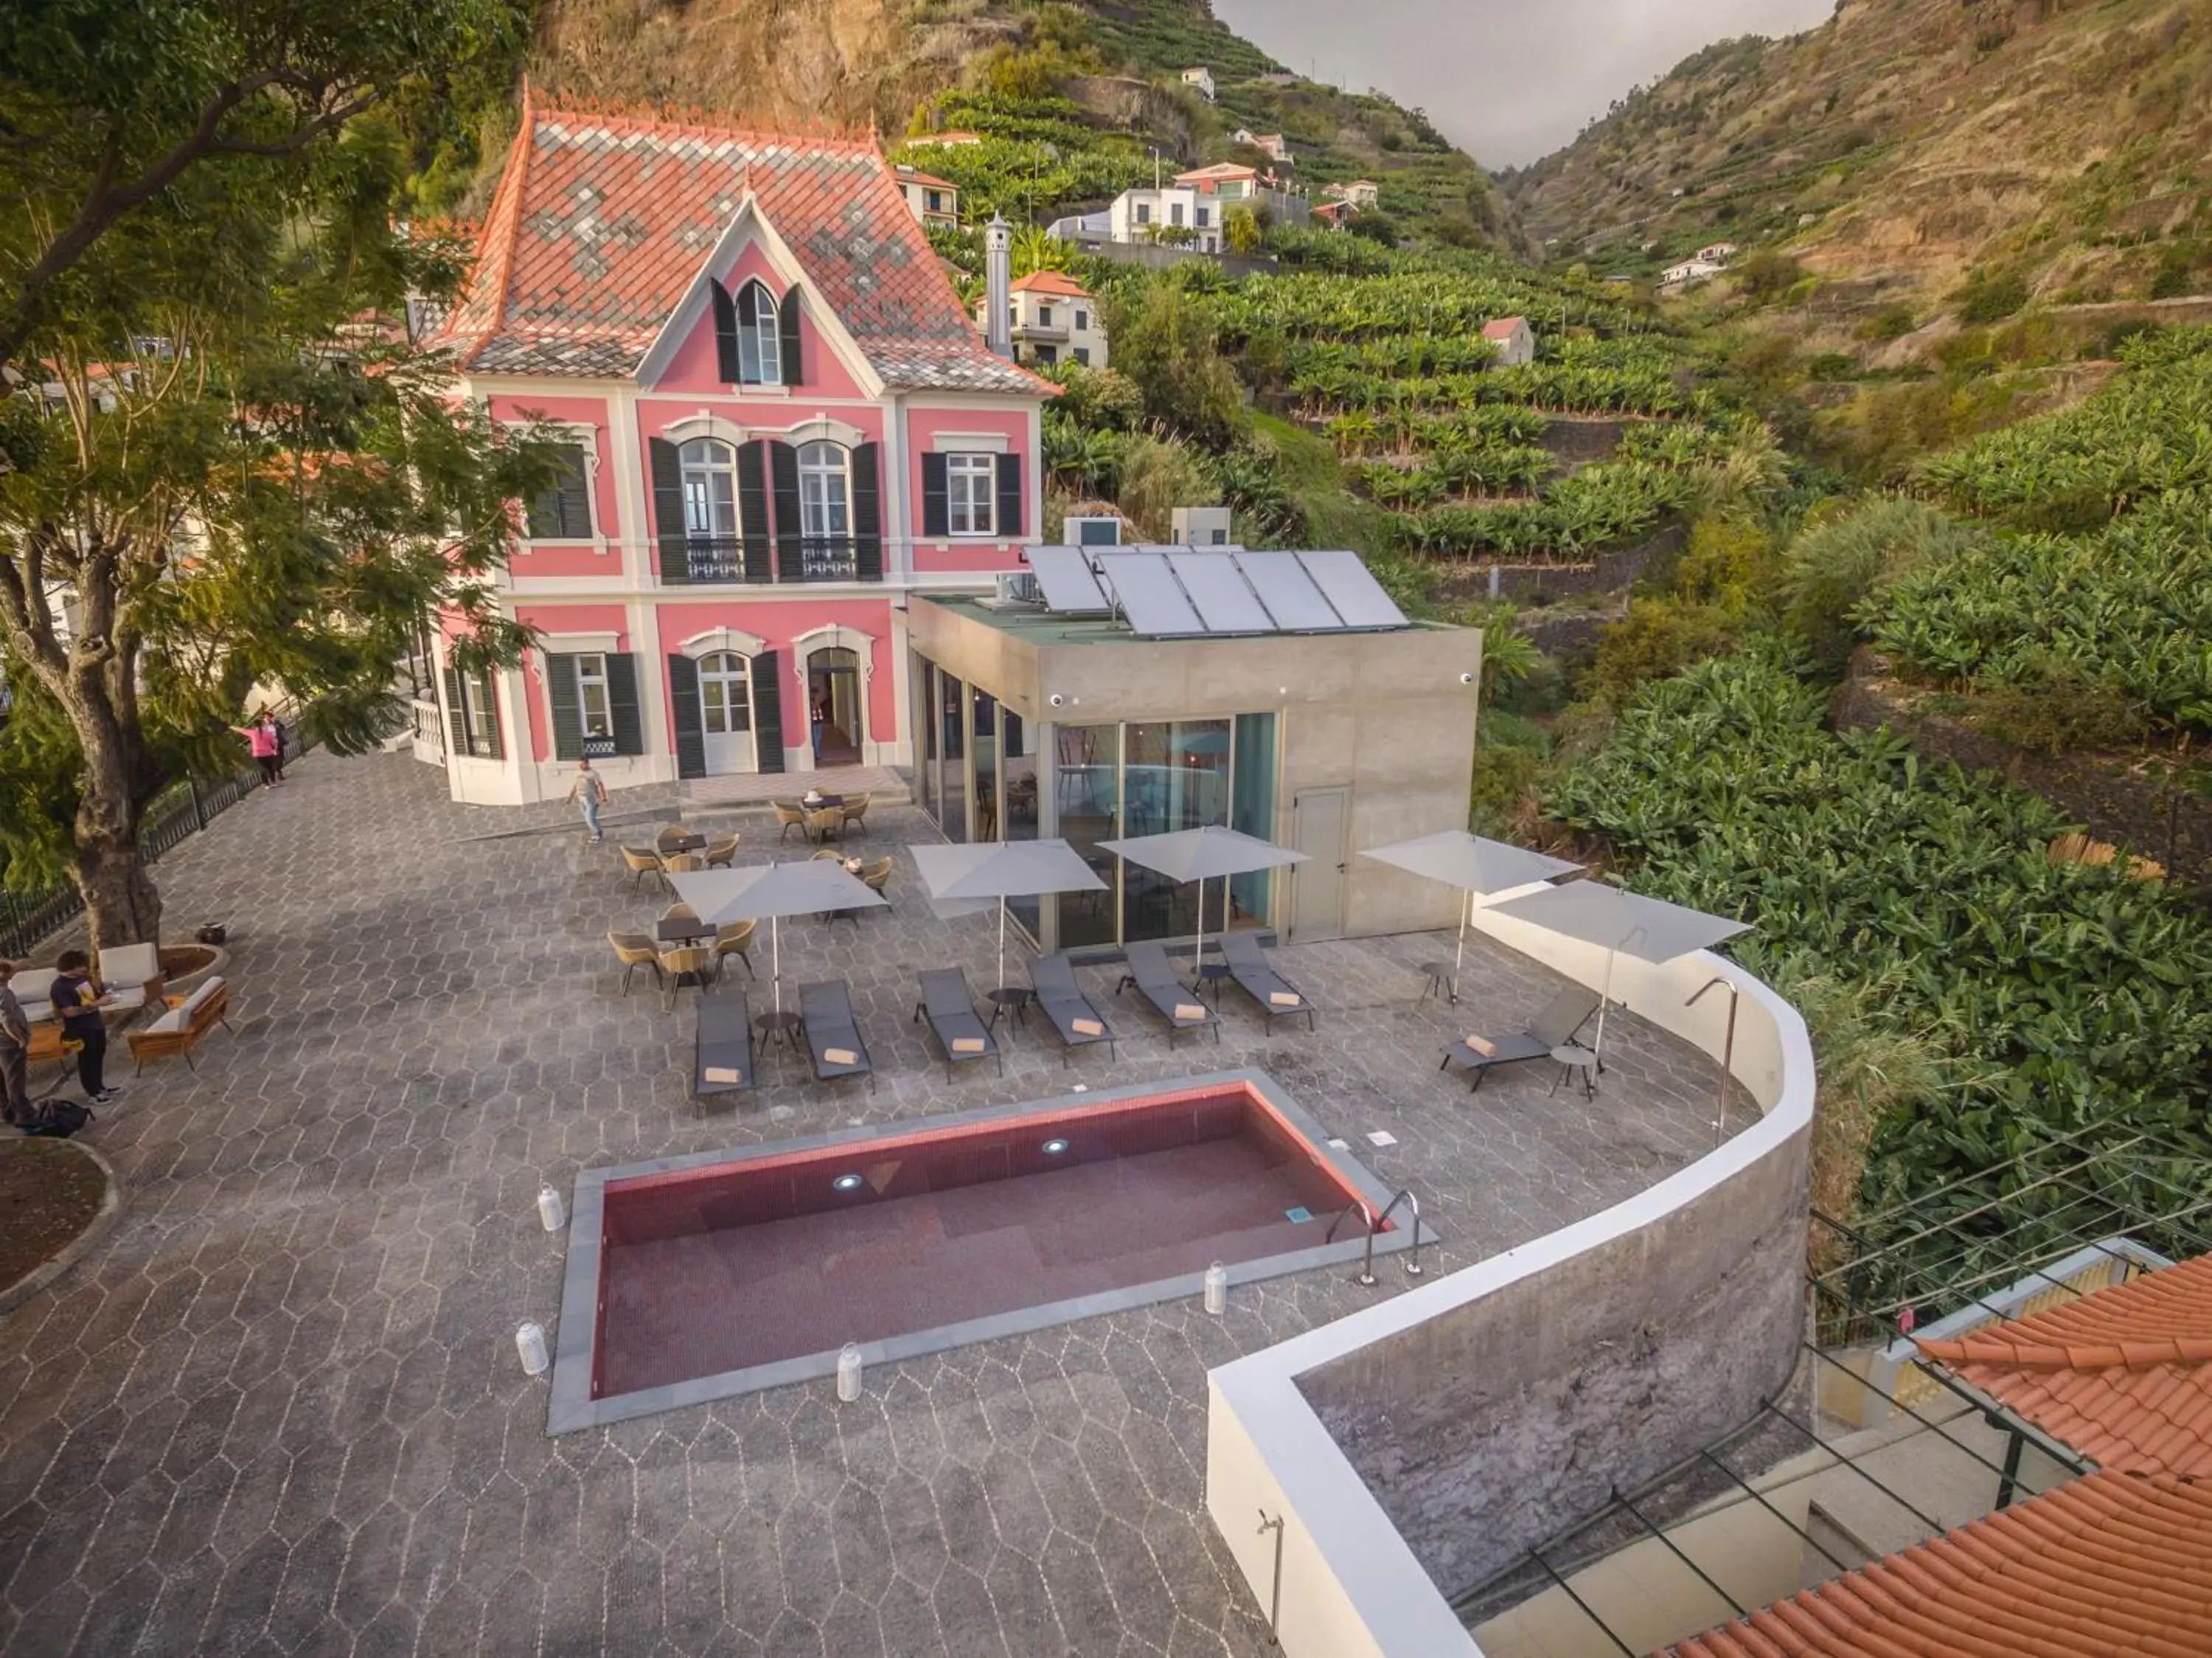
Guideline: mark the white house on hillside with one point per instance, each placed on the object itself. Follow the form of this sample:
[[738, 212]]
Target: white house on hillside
[[1689, 271], [1515, 340], [1201, 81], [932, 201], [1719, 252], [1273, 145], [1360, 192], [1053, 320], [1187, 212]]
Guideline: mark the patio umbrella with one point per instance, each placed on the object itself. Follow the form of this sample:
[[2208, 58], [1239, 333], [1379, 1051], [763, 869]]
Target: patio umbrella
[[770, 891], [1202, 855], [988, 870], [1471, 863], [1649, 928]]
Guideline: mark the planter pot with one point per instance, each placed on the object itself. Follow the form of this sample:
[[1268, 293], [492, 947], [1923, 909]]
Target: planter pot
[[184, 966]]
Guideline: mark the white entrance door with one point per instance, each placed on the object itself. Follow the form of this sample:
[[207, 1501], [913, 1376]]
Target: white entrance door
[[1320, 820], [725, 712]]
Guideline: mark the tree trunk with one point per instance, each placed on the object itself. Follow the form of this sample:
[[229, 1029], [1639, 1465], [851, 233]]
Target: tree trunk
[[121, 904]]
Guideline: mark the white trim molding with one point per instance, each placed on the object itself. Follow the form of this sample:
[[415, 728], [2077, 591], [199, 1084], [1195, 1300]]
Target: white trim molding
[[821, 428], [832, 635], [570, 644], [705, 423], [585, 437], [716, 639], [969, 443]]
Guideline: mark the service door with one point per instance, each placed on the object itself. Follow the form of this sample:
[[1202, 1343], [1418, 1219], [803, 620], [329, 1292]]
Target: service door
[[725, 712], [1321, 821]]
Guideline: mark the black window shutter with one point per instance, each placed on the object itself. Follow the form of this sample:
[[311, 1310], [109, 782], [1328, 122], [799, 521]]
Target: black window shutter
[[1012, 733], [936, 503], [727, 361], [1011, 524], [484, 689], [457, 719], [568, 713], [767, 709], [752, 511], [684, 701], [622, 702], [786, 337], [562, 511], [867, 516], [668, 511], [783, 473]]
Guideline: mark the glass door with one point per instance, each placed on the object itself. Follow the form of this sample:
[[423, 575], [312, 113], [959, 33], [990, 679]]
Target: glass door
[[1086, 790], [1175, 777]]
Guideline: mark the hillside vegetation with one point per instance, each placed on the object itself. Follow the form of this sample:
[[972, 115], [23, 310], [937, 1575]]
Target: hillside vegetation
[[1977, 157]]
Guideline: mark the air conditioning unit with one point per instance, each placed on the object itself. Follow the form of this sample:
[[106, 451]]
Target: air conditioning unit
[[1016, 589], [1201, 527], [1093, 532]]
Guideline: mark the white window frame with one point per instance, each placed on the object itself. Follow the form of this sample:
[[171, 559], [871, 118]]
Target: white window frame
[[592, 680], [760, 345], [479, 714], [740, 706], [969, 476], [822, 465], [699, 477]]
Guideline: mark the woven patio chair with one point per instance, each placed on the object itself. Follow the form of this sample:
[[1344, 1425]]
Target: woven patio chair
[[736, 939], [643, 861], [676, 962], [635, 950], [789, 815], [720, 854], [854, 812]]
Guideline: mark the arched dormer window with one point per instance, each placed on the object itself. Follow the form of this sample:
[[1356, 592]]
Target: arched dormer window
[[759, 357]]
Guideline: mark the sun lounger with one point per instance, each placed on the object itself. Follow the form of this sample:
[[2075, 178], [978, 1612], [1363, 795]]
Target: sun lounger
[[1563, 1017], [1150, 971], [951, 1013], [833, 1036], [722, 1051], [1072, 1014], [1276, 995]]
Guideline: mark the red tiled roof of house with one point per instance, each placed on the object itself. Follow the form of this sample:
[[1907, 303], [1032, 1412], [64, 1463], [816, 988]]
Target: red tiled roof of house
[[1502, 327], [916, 175], [2098, 1567], [1218, 170], [602, 222], [1051, 282], [2122, 1375]]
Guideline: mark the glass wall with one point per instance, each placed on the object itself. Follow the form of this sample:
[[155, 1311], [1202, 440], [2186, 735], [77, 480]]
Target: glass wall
[[952, 745], [984, 727], [1086, 789], [1175, 776], [1252, 811], [925, 763], [1017, 776]]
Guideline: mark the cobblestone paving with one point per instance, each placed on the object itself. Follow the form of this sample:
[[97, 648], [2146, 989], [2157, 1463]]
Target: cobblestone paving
[[280, 1410]]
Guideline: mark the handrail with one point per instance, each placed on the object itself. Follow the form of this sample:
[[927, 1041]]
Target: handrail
[[1727, 1049], [1366, 1279], [1357, 1203]]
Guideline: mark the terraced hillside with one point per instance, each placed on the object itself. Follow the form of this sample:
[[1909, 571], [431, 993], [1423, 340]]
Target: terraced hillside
[[2059, 145]]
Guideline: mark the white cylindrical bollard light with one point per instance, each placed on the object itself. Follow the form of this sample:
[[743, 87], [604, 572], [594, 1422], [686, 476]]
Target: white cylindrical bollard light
[[1216, 1289], [530, 1342], [848, 1374], [550, 1210]]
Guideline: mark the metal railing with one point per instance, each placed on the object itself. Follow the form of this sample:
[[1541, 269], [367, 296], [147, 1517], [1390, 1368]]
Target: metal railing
[[1413, 1259], [173, 816], [720, 559]]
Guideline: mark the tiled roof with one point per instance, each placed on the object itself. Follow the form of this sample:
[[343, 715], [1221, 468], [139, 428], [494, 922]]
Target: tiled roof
[[602, 222], [2122, 1375], [1051, 282], [2097, 1568], [1502, 328], [916, 175], [1218, 170]]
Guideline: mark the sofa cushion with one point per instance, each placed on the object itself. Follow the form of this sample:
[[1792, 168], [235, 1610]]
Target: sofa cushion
[[206, 988], [171, 1022], [130, 964], [32, 984]]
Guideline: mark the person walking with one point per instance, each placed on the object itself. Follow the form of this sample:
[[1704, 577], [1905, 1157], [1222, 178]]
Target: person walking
[[278, 727], [262, 740], [15, 1051], [78, 1001], [589, 792]]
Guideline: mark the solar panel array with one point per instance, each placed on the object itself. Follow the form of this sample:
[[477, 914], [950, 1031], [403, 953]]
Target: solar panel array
[[1181, 593]]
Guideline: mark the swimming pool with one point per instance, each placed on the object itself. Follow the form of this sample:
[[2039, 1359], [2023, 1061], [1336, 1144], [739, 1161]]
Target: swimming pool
[[700, 1277]]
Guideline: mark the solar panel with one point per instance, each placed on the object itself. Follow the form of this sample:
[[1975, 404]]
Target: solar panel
[[1218, 589], [1348, 585], [1288, 593], [1151, 597], [1070, 588]]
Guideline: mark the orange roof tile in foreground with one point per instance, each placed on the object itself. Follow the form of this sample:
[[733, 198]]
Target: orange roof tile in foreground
[[2099, 1567], [2122, 1375], [603, 221]]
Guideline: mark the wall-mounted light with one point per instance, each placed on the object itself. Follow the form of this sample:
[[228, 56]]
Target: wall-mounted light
[[1467, 678]]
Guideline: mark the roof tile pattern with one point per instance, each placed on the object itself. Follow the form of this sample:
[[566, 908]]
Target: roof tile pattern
[[601, 223], [2122, 1375], [2102, 1566]]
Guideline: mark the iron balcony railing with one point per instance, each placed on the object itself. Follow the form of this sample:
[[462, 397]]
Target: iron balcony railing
[[722, 559]]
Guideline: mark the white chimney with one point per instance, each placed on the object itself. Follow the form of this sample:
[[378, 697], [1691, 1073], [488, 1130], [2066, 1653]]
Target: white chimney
[[998, 286]]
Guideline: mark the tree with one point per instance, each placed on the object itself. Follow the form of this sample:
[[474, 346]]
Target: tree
[[224, 469], [1166, 343], [1240, 228]]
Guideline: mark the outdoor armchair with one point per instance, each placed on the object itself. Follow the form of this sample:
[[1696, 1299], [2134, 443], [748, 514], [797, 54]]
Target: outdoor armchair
[[182, 1029], [677, 960], [721, 853], [854, 812], [734, 939], [643, 861], [635, 950], [789, 815]]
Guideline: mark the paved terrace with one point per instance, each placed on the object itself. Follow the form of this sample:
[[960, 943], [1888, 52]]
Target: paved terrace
[[280, 1410]]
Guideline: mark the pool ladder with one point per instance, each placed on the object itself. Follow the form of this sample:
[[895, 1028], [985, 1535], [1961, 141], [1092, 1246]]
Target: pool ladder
[[1375, 1222]]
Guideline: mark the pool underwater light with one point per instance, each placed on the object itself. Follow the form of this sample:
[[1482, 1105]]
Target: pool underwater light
[[1054, 1148], [846, 1183]]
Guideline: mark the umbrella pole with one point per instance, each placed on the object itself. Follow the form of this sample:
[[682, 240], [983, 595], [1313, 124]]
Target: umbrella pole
[[1198, 960], [1002, 941], [1459, 957], [1604, 996], [776, 960]]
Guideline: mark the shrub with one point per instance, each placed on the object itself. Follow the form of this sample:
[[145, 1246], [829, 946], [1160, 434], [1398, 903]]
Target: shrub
[[1986, 298], [2062, 713], [1828, 571], [1158, 474], [1890, 322], [1767, 275]]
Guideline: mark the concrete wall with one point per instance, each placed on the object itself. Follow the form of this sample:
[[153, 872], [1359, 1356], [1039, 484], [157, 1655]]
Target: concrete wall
[[1383, 715], [1704, 1250]]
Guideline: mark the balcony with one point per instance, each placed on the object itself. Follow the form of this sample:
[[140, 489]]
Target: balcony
[[719, 560], [1036, 333]]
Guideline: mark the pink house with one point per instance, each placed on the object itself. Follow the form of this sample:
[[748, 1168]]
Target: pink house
[[783, 425]]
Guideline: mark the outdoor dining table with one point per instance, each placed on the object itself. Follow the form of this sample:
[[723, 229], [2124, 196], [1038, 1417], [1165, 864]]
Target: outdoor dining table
[[687, 841], [682, 929], [823, 803]]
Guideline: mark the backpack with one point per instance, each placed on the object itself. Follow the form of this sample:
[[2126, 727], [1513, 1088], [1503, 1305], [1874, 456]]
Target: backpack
[[57, 1119]]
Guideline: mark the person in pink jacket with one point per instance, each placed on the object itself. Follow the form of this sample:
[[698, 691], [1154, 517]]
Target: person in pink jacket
[[267, 746]]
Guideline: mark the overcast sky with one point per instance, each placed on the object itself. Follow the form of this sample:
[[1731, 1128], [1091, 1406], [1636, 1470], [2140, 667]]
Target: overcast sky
[[1508, 80]]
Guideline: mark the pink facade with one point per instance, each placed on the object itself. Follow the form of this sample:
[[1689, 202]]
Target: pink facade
[[778, 393]]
